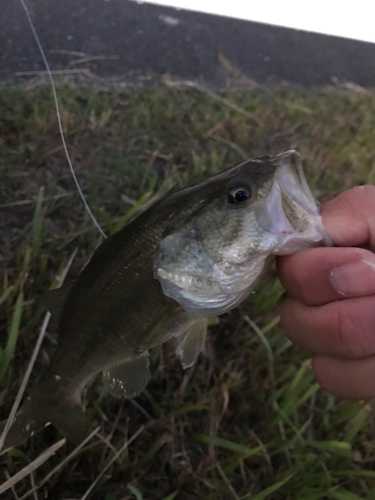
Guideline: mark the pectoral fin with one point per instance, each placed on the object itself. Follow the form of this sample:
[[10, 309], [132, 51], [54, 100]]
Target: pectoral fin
[[129, 378], [190, 343]]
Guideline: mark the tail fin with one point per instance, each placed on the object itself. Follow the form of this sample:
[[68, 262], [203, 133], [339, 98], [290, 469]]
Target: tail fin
[[42, 408]]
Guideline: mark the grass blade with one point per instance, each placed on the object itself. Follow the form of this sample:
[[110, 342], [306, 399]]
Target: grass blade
[[271, 489], [30, 366], [171, 496], [6, 294], [138, 495], [48, 453], [38, 222], [358, 422], [341, 448], [224, 443], [13, 336], [342, 494], [111, 461]]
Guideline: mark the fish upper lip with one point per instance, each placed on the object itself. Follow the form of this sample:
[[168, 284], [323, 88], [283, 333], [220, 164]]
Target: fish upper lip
[[296, 176], [290, 182], [273, 218], [307, 202], [296, 190]]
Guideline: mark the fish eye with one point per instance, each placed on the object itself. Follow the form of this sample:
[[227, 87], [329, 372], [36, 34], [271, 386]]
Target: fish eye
[[239, 195]]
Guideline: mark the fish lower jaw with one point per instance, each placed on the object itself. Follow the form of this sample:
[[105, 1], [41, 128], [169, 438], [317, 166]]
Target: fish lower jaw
[[292, 241]]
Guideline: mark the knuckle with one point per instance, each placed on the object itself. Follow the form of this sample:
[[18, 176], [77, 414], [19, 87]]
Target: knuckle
[[367, 190], [352, 335], [360, 192], [360, 196]]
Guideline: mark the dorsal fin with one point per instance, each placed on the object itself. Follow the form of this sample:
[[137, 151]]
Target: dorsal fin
[[190, 343], [54, 300], [128, 378]]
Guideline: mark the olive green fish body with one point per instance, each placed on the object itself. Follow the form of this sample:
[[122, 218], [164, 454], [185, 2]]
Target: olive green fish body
[[194, 254], [114, 312], [117, 308], [112, 308]]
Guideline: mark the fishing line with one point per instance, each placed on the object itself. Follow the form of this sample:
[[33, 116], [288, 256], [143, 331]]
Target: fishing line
[[44, 57]]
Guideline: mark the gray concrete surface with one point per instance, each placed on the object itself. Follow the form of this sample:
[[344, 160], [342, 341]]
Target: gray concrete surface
[[151, 40]]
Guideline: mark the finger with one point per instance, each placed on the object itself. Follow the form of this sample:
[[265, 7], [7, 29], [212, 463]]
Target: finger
[[349, 218], [346, 378], [321, 275], [341, 329]]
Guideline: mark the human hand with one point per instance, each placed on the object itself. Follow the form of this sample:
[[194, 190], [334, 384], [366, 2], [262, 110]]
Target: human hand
[[331, 308]]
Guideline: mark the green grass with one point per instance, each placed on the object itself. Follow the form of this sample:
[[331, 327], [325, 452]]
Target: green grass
[[249, 422]]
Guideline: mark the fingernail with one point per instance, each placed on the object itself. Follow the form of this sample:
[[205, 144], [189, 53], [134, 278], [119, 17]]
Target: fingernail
[[355, 278]]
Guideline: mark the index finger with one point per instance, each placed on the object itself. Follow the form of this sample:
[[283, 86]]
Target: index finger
[[313, 276], [350, 221]]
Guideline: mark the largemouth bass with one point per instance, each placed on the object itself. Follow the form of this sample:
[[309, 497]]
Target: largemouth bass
[[194, 254]]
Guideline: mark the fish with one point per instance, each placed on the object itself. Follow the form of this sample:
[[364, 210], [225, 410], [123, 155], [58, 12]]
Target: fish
[[194, 254]]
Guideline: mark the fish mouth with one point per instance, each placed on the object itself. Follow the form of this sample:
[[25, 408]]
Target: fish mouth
[[291, 213]]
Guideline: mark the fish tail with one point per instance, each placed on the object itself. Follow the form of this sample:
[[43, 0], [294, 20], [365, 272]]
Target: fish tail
[[42, 408]]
